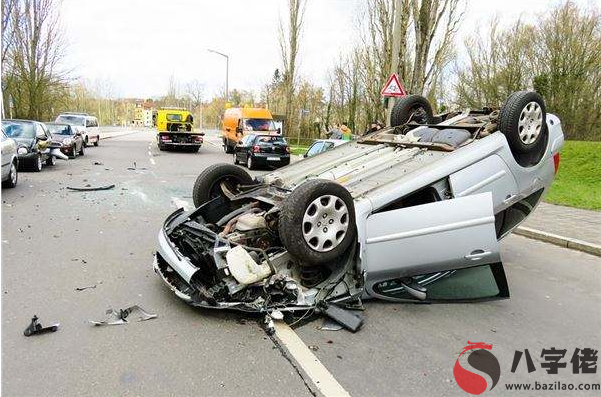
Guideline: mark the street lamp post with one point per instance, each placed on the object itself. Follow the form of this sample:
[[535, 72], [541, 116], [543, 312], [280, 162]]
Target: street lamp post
[[227, 72]]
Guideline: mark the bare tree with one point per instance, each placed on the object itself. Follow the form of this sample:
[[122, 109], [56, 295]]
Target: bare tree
[[195, 90], [289, 44], [34, 80]]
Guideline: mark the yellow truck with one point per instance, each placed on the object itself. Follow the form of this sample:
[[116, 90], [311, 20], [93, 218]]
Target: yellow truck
[[175, 129], [237, 122]]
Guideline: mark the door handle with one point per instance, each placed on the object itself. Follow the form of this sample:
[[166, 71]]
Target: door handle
[[477, 254], [509, 199]]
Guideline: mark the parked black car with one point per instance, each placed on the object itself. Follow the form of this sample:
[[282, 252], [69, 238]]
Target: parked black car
[[32, 138], [262, 150], [71, 140]]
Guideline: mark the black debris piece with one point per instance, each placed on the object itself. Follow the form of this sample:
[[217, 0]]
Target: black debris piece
[[121, 316], [85, 288], [36, 328], [90, 188], [98, 163], [346, 318]]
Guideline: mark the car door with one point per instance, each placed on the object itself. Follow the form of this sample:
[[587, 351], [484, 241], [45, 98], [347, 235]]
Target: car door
[[423, 243], [6, 155], [247, 143]]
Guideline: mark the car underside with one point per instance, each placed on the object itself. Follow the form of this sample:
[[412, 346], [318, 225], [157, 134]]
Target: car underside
[[360, 220]]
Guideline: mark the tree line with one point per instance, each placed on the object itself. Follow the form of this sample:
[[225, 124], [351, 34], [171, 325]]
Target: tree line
[[557, 54]]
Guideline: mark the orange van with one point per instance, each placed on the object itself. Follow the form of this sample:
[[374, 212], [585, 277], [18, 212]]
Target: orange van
[[237, 122]]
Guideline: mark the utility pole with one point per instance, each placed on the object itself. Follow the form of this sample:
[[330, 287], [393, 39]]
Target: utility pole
[[396, 44]]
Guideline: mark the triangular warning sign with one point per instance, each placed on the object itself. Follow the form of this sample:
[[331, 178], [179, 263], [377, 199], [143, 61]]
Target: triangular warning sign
[[393, 87]]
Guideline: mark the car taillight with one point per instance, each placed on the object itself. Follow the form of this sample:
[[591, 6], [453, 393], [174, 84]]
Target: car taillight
[[165, 137], [198, 138], [287, 149], [556, 159], [256, 149]]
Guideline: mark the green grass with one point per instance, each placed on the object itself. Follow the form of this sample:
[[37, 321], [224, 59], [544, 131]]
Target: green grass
[[298, 149], [578, 182]]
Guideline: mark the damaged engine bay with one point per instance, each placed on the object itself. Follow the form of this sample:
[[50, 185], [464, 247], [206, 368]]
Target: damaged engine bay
[[237, 260]]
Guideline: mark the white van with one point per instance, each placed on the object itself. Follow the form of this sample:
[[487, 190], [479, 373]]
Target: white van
[[84, 123]]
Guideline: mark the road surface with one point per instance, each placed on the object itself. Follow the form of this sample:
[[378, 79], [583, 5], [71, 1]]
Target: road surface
[[55, 240]]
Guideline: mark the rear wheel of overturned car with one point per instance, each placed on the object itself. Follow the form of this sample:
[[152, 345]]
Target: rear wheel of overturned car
[[216, 178], [317, 222], [411, 108], [523, 121]]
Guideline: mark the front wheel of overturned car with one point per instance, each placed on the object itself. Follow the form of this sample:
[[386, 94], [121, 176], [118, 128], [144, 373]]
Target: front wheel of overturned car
[[411, 108], [523, 121], [219, 180], [317, 222]]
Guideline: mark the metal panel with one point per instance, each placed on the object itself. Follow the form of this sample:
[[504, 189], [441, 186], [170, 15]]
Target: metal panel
[[444, 235]]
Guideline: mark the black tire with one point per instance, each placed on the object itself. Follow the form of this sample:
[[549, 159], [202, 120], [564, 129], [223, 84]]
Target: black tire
[[13, 176], [207, 185], [97, 141], [291, 221], [236, 159], [51, 161], [227, 148], [249, 162], [414, 108], [86, 142], [512, 113], [36, 163], [82, 150]]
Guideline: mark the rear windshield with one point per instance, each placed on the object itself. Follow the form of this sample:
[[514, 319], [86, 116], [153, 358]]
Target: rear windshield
[[71, 120], [174, 117], [270, 140], [56, 129], [15, 129]]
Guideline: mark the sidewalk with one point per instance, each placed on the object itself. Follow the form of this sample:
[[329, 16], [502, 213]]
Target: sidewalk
[[565, 226], [112, 132]]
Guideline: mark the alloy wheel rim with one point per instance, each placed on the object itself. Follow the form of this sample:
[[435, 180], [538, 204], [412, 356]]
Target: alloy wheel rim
[[39, 162], [325, 223], [13, 174], [530, 123], [249, 162]]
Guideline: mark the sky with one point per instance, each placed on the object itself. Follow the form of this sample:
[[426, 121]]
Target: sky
[[133, 47]]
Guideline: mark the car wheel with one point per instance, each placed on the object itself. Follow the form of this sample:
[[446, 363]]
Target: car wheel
[[523, 121], [36, 164], [97, 141], [13, 176], [413, 108], [249, 162], [236, 159], [81, 150], [51, 161], [208, 183], [85, 142], [317, 221]]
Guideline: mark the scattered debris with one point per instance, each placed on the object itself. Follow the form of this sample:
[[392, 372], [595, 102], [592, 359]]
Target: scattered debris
[[36, 328], [89, 188], [85, 288], [329, 325], [346, 318], [98, 163], [135, 167], [115, 317], [314, 347]]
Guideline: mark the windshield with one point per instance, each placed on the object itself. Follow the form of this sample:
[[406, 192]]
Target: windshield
[[174, 117], [270, 140], [71, 120], [258, 125], [15, 129], [57, 129]]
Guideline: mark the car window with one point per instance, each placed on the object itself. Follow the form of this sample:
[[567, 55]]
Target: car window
[[258, 125], [59, 129], [18, 129], [4, 137], [315, 149], [249, 139], [173, 117], [71, 120], [327, 146], [269, 140]]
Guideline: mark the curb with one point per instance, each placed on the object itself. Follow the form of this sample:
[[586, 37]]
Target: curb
[[117, 135], [561, 241]]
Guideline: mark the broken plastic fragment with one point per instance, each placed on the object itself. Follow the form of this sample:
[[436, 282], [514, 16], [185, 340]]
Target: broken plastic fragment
[[35, 327], [115, 317], [91, 188]]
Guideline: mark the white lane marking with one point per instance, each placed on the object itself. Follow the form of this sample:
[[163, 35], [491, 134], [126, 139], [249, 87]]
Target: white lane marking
[[179, 203], [152, 161], [317, 372]]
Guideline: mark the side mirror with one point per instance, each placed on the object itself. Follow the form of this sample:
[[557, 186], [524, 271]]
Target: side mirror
[[305, 155], [239, 130], [40, 136], [77, 133], [279, 131], [240, 143]]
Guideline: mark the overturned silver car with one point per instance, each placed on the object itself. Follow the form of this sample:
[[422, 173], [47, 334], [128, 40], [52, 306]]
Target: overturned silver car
[[413, 212]]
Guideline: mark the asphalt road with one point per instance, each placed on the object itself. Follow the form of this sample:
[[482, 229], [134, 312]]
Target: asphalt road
[[54, 240]]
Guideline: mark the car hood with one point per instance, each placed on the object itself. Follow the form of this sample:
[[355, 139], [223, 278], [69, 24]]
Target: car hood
[[60, 138], [26, 142]]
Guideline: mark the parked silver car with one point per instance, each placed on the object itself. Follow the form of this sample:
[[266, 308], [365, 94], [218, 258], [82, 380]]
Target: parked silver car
[[10, 161], [413, 212]]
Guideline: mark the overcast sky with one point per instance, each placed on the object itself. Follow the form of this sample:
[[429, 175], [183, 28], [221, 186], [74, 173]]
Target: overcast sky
[[136, 45]]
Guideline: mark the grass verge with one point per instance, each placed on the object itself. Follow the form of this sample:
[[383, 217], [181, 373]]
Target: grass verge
[[578, 181]]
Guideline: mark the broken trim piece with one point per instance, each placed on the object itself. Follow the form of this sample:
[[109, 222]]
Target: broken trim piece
[[91, 188]]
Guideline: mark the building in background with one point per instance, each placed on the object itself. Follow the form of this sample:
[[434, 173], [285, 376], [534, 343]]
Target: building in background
[[143, 115]]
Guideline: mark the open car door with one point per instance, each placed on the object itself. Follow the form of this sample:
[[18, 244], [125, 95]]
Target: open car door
[[446, 251]]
